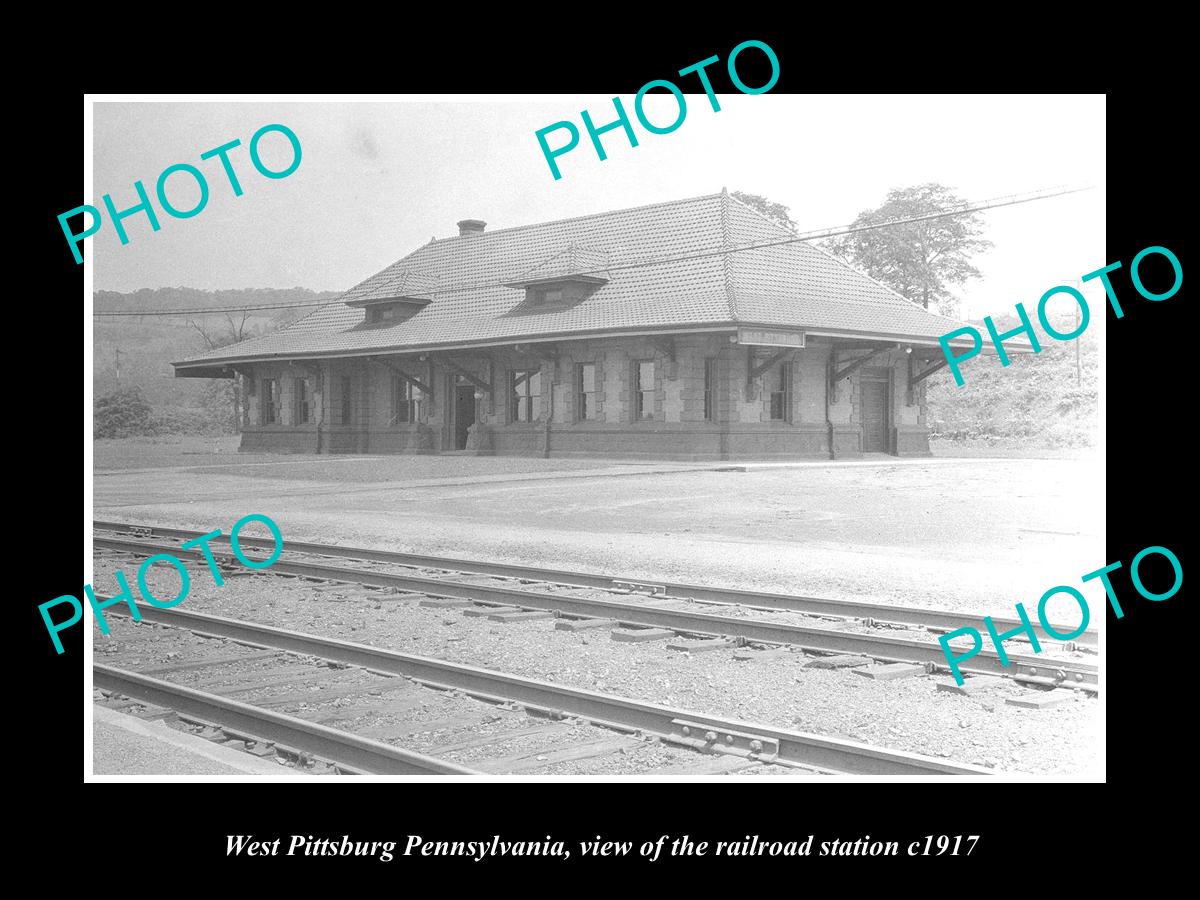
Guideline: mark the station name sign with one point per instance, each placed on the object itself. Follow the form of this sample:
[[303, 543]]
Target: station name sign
[[759, 337]]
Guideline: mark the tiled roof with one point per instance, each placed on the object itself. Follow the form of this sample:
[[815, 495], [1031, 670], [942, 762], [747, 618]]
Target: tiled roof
[[665, 267], [404, 282], [572, 261]]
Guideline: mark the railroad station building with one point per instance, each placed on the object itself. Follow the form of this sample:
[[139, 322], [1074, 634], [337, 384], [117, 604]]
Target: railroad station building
[[693, 329]]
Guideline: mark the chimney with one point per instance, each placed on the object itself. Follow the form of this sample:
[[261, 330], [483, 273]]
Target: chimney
[[471, 226]]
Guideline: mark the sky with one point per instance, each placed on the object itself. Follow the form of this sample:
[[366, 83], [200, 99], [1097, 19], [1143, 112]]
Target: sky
[[378, 179]]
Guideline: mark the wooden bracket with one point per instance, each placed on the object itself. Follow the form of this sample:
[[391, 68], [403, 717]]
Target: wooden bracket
[[666, 346], [415, 382], [862, 360], [543, 353], [310, 369], [915, 378], [754, 371], [537, 359], [482, 383]]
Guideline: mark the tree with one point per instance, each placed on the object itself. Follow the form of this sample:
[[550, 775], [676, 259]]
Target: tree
[[222, 397], [776, 212], [213, 339], [121, 413], [918, 260]]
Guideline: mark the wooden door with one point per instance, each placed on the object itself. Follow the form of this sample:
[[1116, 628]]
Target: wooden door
[[464, 414], [874, 416]]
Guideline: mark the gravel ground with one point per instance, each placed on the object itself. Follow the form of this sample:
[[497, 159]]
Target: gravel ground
[[165, 451], [449, 726], [219, 455], [1061, 613], [906, 714], [1007, 449], [968, 536], [124, 745]]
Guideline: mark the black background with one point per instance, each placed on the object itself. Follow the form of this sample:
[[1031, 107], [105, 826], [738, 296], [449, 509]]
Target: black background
[[1025, 828]]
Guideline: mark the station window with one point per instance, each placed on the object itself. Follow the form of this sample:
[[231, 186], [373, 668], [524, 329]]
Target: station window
[[269, 401], [585, 391], [303, 402], [781, 393], [524, 395], [406, 401], [643, 389], [549, 296], [710, 389]]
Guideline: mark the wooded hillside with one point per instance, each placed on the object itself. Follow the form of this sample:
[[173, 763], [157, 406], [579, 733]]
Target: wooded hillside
[[1035, 401], [145, 346]]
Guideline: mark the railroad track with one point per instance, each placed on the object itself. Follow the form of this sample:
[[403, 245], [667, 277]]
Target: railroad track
[[274, 669], [730, 620], [285, 736], [877, 612]]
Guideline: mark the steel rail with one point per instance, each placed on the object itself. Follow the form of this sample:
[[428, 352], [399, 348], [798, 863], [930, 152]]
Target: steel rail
[[373, 757], [881, 647], [698, 730], [931, 618]]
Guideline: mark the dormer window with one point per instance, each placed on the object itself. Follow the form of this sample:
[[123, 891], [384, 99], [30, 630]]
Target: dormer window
[[377, 314], [404, 294], [555, 295], [388, 312], [566, 278], [548, 296]]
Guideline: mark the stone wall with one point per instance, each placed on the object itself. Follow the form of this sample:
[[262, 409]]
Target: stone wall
[[675, 429]]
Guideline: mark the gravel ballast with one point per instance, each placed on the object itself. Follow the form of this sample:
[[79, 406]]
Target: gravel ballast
[[905, 714]]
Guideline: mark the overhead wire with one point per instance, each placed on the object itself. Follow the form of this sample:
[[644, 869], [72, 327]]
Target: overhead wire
[[956, 210]]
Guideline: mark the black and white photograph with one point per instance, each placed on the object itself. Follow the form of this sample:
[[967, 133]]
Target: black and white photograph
[[529, 438]]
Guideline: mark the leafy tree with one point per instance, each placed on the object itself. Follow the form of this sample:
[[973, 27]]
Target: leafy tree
[[776, 212], [121, 413], [222, 397], [919, 260], [222, 400]]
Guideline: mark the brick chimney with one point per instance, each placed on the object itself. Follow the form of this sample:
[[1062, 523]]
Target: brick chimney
[[471, 226]]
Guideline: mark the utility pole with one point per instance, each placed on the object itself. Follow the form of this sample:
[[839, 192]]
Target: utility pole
[[118, 367]]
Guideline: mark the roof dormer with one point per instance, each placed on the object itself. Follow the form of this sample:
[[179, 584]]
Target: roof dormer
[[389, 312], [397, 300], [563, 279]]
